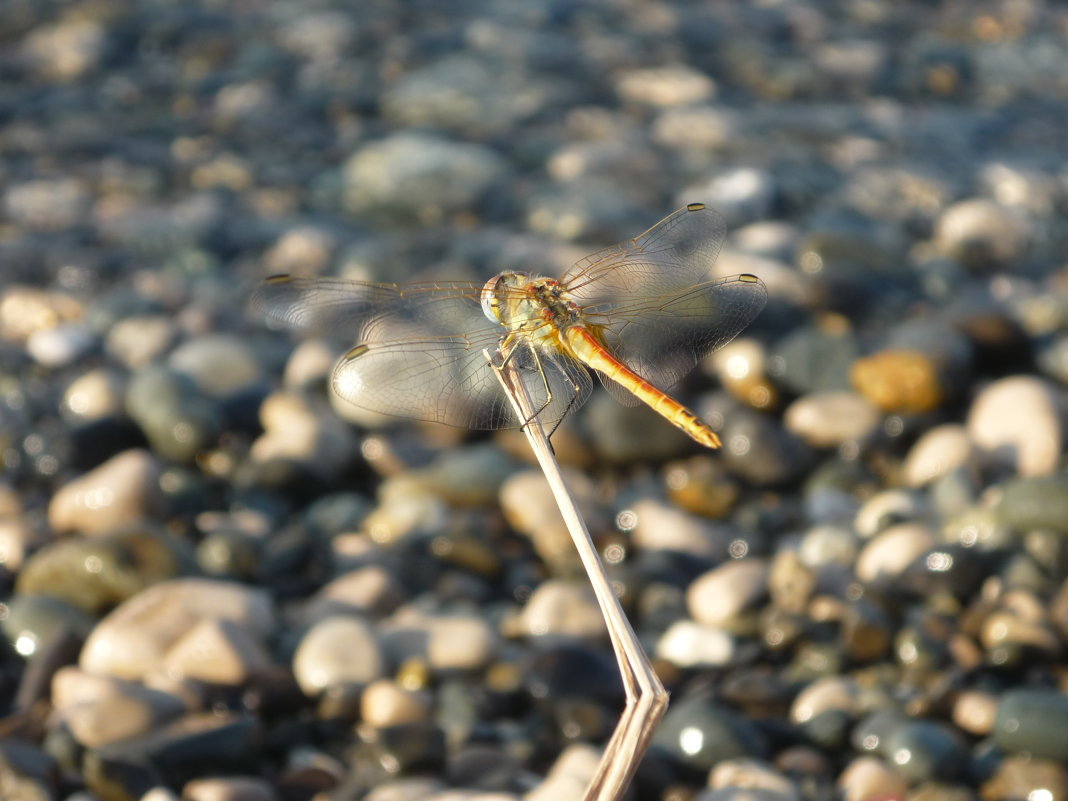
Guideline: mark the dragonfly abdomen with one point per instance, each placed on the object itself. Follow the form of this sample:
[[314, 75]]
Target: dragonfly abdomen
[[586, 347]]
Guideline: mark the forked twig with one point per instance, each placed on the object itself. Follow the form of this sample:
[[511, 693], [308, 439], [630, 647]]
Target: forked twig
[[647, 699]]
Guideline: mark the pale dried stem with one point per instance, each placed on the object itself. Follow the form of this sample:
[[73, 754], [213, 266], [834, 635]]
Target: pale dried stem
[[647, 699]]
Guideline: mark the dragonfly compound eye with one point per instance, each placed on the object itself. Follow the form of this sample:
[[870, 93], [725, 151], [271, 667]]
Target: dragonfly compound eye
[[494, 290], [491, 304]]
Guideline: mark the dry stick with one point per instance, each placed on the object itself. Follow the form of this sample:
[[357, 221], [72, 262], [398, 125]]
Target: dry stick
[[646, 697]]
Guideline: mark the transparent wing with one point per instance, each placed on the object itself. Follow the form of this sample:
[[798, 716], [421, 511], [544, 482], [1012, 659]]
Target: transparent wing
[[651, 298], [674, 254], [340, 309], [446, 379], [663, 338], [419, 350]]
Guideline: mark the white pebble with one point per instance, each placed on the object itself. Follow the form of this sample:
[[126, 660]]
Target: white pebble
[[338, 651], [892, 550], [124, 488], [940, 451], [723, 592], [1017, 423], [829, 419]]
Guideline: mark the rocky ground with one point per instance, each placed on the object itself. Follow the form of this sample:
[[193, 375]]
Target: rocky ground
[[217, 584]]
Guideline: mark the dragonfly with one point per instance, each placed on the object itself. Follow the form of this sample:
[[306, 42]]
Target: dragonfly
[[640, 314]]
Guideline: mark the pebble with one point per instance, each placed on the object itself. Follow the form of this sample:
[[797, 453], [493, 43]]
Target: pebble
[[29, 772], [974, 712], [746, 794], [1016, 422], [132, 640], [559, 608], [94, 395], [528, 505], [888, 508], [924, 750], [868, 778], [309, 366], [219, 365], [472, 96], [825, 546], [701, 486], [300, 430], [829, 693], [829, 419], [755, 447], [445, 643], [569, 774], [98, 573], [137, 342], [670, 85], [902, 381], [47, 204], [178, 421], [700, 734], [982, 234], [1035, 503], [407, 790], [216, 742], [231, 788], [891, 551], [118, 713], [1031, 721], [1026, 777], [66, 50], [302, 250], [33, 622], [700, 126], [814, 359], [470, 476], [723, 593], [740, 194], [123, 489], [751, 775], [385, 703], [1010, 629], [17, 539], [418, 176], [405, 509], [623, 434], [937, 453], [60, 346], [691, 645], [654, 525], [217, 652], [460, 643], [370, 590], [338, 651], [25, 311]]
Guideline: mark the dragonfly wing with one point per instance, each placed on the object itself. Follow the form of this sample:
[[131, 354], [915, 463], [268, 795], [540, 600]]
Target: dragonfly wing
[[443, 380], [339, 309], [419, 350], [662, 339], [676, 253]]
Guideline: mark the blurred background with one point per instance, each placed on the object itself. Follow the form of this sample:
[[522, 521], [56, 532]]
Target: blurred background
[[219, 582]]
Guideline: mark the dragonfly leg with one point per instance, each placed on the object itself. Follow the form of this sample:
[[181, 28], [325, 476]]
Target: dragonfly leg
[[575, 391], [506, 350]]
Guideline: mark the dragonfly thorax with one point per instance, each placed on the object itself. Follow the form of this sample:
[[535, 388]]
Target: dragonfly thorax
[[519, 301]]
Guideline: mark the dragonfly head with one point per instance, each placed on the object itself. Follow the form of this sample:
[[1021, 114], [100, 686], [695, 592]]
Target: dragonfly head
[[495, 291]]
